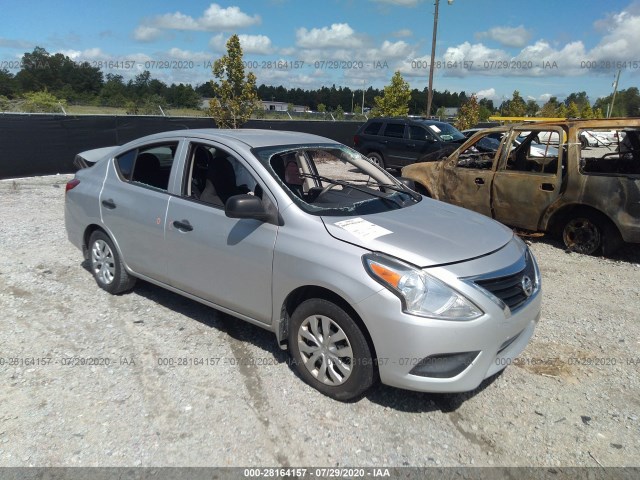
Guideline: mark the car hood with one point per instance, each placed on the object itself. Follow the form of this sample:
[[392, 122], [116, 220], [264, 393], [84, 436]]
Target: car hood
[[426, 234]]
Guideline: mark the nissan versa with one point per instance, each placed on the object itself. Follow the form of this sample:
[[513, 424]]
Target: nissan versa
[[358, 276]]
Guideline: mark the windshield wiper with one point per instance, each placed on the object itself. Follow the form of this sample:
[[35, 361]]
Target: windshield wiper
[[373, 193], [403, 188]]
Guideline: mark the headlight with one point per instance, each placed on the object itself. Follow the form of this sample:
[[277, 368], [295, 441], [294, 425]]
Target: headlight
[[421, 294]]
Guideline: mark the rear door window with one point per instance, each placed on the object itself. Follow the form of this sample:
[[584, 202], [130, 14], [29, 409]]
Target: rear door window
[[148, 166], [395, 130]]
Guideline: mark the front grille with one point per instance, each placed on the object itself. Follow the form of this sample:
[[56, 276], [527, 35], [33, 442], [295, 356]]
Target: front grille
[[509, 288]]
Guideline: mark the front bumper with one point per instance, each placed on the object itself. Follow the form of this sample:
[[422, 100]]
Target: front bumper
[[405, 343]]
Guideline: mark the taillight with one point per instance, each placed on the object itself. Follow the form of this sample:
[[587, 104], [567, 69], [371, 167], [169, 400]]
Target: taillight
[[71, 184], [356, 140]]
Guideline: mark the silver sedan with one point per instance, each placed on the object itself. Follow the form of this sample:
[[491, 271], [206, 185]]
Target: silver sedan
[[357, 275]]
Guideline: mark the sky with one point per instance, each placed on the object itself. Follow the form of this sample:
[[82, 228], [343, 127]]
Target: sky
[[490, 48]]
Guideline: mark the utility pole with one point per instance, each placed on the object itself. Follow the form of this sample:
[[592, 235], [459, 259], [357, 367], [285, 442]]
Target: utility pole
[[613, 97], [433, 56]]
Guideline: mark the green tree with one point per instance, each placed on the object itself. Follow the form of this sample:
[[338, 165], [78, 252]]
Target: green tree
[[235, 94], [322, 107], [339, 113], [548, 110], [561, 111], [516, 107], [587, 111], [532, 108], [469, 114], [579, 98], [572, 110], [440, 112], [8, 85], [42, 102], [394, 101]]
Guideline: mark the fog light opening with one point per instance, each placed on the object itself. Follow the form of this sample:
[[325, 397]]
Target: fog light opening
[[445, 365]]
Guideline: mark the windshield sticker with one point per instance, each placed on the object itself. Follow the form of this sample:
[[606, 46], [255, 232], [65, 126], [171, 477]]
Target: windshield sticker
[[361, 228], [434, 128]]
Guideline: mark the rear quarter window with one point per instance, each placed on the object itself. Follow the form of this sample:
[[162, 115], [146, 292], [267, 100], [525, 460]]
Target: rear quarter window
[[124, 164], [373, 128]]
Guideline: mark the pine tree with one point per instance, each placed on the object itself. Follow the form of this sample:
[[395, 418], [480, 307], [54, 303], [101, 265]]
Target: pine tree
[[469, 114], [394, 101], [236, 96]]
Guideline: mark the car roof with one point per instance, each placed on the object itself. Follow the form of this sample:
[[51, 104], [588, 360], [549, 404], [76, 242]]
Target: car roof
[[250, 137]]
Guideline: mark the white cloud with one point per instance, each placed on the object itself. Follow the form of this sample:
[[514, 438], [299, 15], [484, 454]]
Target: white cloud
[[214, 19], [258, 44], [251, 44], [544, 98], [338, 35], [489, 94], [622, 36], [619, 43], [145, 33], [179, 54], [402, 33], [507, 36], [85, 55]]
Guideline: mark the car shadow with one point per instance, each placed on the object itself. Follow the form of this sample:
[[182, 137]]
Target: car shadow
[[420, 402], [628, 252], [241, 331], [236, 328]]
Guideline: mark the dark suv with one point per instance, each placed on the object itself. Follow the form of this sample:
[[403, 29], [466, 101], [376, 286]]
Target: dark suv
[[396, 142]]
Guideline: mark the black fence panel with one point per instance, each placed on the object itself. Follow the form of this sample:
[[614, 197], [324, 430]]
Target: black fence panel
[[47, 144]]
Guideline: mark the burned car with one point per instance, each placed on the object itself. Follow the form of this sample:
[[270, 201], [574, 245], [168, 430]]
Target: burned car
[[588, 194]]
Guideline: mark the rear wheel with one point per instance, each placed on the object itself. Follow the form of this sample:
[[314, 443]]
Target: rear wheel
[[588, 233], [329, 350], [106, 266], [376, 159]]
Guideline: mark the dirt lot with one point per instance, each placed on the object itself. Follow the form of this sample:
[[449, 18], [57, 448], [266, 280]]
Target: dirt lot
[[572, 399]]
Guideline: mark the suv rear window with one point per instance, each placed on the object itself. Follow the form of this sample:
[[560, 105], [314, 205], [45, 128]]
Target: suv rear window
[[394, 130], [373, 128]]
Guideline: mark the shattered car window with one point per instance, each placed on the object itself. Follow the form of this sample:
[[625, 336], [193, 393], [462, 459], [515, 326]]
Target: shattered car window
[[533, 151], [480, 155], [334, 180], [610, 152]]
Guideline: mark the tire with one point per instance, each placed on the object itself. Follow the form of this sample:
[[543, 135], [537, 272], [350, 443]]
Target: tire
[[376, 159], [342, 377], [589, 234], [106, 266]]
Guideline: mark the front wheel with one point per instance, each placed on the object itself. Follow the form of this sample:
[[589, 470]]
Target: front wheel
[[329, 350], [106, 266]]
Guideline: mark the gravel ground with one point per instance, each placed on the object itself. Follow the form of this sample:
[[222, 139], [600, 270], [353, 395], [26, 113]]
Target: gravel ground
[[572, 399]]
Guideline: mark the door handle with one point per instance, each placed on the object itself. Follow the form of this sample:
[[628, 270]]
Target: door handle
[[547, 187], [183, 225], [412, 145], [479, 181], [109, 203]]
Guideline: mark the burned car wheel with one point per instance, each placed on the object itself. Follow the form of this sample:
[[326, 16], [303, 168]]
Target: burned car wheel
[[329, 350], [583, 234], [106, 266]]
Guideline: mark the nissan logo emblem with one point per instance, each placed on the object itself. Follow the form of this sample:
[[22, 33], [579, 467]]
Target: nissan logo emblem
[[527, 285]]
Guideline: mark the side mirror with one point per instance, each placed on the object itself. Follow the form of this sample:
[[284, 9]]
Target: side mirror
[[407, 182], [246, 206]]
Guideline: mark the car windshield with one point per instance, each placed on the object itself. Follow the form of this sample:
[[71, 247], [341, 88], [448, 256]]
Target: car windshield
[[332, 179], [446, 132]]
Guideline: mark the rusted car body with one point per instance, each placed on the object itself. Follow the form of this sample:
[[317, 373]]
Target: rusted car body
[[542, 177]]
